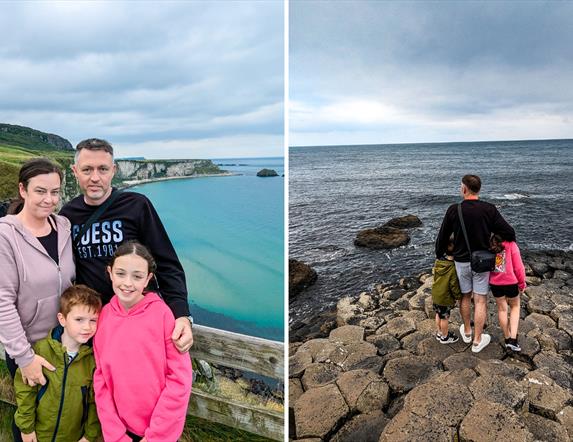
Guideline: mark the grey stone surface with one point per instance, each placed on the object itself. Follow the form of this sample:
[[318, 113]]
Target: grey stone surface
[[546, 398], [459, 361], [354, 384], [430, 347], [317, 421], [347, 334], [540, 321], [298, 363], [363, 428], [384, 342], [545, 430], [409, 427], [295, 391], [565, 418], [399, 327], [316, 375], [500, 368], [500, 389], [491, 422], [403, 374]]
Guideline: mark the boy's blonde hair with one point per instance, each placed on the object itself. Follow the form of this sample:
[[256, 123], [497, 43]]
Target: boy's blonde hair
[[79, 295]]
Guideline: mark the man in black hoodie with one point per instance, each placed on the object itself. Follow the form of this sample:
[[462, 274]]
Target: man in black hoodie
[[130, 216], [481, 219]]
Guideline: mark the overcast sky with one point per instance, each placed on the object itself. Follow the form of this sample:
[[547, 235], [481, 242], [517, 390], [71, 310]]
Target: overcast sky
[[398, 72], [156, 79]]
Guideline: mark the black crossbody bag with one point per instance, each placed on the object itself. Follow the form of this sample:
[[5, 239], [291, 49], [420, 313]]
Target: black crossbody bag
[[480, 260], [95, 216]]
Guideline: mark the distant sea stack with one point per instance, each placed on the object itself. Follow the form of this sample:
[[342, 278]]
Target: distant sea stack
[[267, 173]]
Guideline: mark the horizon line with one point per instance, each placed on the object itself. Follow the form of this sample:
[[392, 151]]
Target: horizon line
[[432, 142]]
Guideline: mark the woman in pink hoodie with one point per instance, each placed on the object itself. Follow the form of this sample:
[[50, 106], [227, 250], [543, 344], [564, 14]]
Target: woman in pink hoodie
[[142, 383], [507, 283]]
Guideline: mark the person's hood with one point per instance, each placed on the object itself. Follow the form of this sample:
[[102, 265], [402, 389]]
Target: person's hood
[[443, 267], [136, 310]]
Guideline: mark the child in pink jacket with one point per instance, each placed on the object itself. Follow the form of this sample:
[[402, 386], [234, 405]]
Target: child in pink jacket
[[142, 383], [507, 283]]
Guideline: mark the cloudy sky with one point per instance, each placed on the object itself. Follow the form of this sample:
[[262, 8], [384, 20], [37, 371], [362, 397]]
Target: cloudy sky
[[398, 72], [161, 80]]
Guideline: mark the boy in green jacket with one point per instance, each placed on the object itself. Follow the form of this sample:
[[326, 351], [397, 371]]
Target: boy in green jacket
[[445, 292], [63, 410]]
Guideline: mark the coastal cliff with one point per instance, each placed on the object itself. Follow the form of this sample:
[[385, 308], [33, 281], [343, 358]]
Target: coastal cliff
[[137, 170]]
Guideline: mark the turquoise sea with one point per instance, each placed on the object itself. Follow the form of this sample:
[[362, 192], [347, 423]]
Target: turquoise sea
[[229, 235]]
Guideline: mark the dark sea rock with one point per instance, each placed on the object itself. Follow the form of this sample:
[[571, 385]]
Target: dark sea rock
[[383, 237], [300, 276], [267, 173], [405, 222]]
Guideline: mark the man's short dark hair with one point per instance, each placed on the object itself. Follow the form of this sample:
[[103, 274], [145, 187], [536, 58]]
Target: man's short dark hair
[[472, 182], [94, 144]]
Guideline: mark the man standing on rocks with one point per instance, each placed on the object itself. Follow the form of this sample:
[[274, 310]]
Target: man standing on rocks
[[130, 216], [481, 219]]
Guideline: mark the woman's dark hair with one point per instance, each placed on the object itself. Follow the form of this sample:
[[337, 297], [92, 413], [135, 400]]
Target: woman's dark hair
[[30, 169], [135, 248], [495, 243]]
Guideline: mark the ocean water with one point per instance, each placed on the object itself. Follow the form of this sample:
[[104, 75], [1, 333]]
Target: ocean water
[[229, 235], [336, 191]]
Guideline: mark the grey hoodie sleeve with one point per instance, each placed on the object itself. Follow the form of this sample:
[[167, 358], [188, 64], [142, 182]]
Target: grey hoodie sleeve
[[12, 334]]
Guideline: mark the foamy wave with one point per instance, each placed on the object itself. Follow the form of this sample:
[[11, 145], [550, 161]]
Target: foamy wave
[[515, 196]]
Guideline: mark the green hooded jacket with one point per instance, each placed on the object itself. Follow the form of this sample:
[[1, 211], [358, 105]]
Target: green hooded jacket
[[64, 409], [446, 288]]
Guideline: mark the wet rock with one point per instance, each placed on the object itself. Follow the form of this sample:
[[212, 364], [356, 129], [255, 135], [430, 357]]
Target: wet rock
[[404, 222], [300, 276], [544, 429], [371, 324], [500, 389], [403, 374], [539, 268], [401, 304], [409, 283], [491, 422], [382, 237], [317, 421], [384, 342], [317, 375], [364, 391], [347, 334], [267, 173], [399, 327], [363, 428], [393, 294], [546, 398]]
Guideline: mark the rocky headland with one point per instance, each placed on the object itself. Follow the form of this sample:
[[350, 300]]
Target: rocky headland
[[372, 369]]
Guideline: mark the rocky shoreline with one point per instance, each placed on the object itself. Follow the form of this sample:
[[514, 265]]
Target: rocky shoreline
[[132, 183], [372, 370]]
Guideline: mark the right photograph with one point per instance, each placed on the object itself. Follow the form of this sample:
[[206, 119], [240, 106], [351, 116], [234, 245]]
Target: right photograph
[[430, 237]]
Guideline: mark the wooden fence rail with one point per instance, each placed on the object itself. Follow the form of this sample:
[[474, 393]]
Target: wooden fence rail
[[242, 352]]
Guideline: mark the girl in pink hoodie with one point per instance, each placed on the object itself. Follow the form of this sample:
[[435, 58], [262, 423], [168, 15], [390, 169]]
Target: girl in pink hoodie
[[507, 283], [142, 383]]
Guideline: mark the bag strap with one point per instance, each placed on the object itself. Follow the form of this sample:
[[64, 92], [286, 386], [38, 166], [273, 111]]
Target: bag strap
[[460, 215], [95, 216]]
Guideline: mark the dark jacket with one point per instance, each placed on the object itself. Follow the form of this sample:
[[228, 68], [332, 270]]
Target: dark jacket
[[65, 406], [130, 217], [481, 220]]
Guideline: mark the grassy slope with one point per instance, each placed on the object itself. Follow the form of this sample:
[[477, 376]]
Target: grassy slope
[[12, 157]]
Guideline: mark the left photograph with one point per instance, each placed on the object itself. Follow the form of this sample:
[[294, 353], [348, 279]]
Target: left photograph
[[142, 185]]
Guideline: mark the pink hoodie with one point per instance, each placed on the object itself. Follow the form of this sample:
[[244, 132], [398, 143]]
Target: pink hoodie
[[142, 383], [509, 268]]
